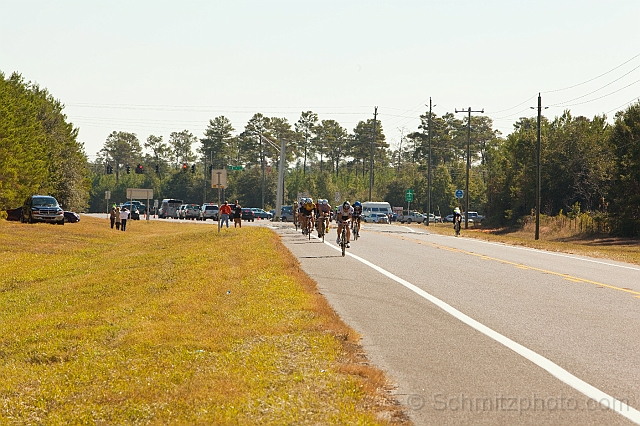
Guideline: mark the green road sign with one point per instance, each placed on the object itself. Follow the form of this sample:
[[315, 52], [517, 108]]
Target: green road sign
[[235, 167], [408, 195]]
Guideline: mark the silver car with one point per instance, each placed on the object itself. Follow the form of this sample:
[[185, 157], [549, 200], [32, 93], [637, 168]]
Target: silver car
[[209, 211]]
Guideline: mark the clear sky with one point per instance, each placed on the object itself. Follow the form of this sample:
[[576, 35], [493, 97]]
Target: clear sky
[[155, 67]]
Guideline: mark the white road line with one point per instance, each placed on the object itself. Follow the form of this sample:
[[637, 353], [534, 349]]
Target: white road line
[[546, 364]]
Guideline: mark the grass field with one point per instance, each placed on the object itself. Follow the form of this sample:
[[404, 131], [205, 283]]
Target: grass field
[[173, 324]]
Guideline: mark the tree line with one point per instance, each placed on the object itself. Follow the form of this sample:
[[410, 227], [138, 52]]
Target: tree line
[[586, 162], [39, 151]]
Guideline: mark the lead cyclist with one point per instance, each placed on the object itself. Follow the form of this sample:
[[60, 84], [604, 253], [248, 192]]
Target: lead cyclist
[[343, 216]]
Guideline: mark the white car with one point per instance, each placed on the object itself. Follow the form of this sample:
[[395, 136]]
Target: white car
[[434, 219], [209, 211], [376, 218]]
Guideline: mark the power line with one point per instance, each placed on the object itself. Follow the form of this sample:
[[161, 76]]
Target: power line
[[590, 93], [636, 98], [594, 78], [600, 97]]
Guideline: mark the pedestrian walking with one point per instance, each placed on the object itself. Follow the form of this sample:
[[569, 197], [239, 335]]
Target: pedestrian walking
[[112, 216], [225, 211], [118, 220], [124, 215], [237, 215]]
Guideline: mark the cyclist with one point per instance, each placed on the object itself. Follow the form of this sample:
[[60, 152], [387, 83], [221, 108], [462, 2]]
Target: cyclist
[[316, 214], [357, 214], [307, 214], [301, 220], [343, 216], [324, 212], [457, 219], [296, 210]]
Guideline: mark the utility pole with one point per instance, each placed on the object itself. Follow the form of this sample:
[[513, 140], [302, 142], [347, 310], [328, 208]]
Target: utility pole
[[280, 190], [398, 163], [466, 190], [538, 171], [262, 165], [373, 143], [429, 167]]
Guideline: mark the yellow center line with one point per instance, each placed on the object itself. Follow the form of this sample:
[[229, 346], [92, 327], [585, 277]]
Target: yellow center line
[[518, 265]]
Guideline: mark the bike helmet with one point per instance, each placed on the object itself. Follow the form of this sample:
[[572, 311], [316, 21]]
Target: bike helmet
[[456, 210], [357, 204], [325, 202], [346, 204]]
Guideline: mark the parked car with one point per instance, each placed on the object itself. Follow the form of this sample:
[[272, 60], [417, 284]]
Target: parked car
[[209, 211], [42, 208], [192, 211], [71, 217], [475, 217], [247, 214], [376, 218], [412, 217], [261, 214], [169, 207], [434, 219], [448, 218], [14, 214], [287, 213], [180, 211], [135, 205]]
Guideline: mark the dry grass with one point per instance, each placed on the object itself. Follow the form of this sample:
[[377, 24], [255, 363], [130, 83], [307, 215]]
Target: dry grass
[[173, 323], [553, 237]]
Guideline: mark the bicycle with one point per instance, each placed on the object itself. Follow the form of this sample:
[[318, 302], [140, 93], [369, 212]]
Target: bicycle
[[309, 226], [343, 239], [321, 227], [295, 218], [456, 226], [355, 228]]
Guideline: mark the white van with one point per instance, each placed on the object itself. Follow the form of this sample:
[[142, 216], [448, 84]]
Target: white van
[[168, 208], [369, 207]]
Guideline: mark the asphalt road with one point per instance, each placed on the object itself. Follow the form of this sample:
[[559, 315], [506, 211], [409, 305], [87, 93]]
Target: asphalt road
[[475, 333]]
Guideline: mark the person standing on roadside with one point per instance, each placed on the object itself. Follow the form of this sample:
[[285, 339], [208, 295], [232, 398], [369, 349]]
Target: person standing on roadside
[[112, 216], [118, 220], [237, 215], [124, 215], [225, 211]]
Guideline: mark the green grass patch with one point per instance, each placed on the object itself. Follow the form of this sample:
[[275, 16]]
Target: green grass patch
[[172, 323]]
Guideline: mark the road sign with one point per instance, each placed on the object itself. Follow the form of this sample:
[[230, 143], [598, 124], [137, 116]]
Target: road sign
[[107, 195], [219, 178], [337, 197], [139, 193], [235, 167], [459, 193], [408, 195]]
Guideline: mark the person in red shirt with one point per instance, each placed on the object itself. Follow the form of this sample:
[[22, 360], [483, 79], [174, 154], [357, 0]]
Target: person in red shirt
[[225, 211]]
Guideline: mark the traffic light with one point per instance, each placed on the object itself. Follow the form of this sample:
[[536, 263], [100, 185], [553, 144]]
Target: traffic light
[[193, 168], [139, 169], [109, 169], [157, 169], [210, 168], [184, 167], [128, 169]]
